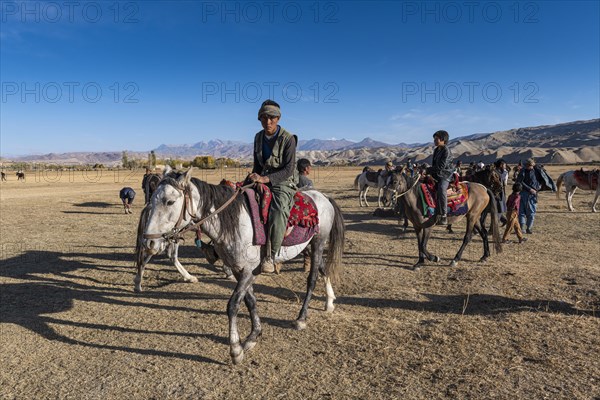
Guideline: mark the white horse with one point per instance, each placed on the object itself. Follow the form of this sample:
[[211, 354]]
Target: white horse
[[369, 178], [588, 180], [181, 202]]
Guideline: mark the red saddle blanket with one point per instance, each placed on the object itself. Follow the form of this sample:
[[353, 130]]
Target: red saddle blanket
[[587, 178], [303, 222], [458, 195]]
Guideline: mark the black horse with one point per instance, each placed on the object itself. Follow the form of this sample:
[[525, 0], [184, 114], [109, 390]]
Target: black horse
[[21, 176], [149, 184]]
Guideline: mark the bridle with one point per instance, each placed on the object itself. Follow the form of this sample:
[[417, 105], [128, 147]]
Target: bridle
[[397, 196], [176, 234]]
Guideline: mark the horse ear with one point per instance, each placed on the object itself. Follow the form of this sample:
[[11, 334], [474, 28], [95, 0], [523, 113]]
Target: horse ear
[[167, 170], [187, 176]]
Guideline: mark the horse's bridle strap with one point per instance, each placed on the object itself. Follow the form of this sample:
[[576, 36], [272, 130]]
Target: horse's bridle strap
[[177, 232]]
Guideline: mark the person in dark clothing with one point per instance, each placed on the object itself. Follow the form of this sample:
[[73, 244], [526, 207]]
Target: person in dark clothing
[[127, 195], [275, 165], [304, 169], [441, 170], [531, 186]]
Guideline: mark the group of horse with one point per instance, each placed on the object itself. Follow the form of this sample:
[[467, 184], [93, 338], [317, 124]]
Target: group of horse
[[20, 176], [177, 203]]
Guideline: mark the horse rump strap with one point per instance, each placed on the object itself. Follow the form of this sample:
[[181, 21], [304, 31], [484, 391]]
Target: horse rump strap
[[303, 222], [457, 199]]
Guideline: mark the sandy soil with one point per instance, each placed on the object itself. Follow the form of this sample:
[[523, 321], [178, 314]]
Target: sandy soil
[[522, 325]]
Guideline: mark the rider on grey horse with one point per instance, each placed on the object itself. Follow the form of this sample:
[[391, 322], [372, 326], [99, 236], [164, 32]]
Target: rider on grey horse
[[275, 165]]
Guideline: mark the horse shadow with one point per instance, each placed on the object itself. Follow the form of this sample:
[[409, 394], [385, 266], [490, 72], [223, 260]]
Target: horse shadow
[[47, 289], [474, 304]]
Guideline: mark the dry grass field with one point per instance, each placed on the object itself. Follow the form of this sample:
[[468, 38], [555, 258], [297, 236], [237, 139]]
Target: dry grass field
[[523, 325]]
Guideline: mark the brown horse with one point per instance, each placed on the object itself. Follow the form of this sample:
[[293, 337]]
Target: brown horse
[[406, 191]]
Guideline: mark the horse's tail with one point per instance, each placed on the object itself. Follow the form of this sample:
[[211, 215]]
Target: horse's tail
[[139, 249], [559, 184], [337, 235], [356, 181], [495, 225]]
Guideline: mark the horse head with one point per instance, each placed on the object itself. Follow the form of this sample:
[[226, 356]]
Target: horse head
[[171, 209]]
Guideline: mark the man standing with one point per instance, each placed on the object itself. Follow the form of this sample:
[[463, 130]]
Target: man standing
[[275, 165], [441, 170], [531, 186]]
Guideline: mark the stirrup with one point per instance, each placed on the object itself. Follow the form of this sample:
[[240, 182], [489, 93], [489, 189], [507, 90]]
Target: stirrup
[[267, 265]]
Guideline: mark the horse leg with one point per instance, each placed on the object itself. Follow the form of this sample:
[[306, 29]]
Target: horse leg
[[449, 228], [316, 257], [365, 195], [329, 306], [174, 258], [486, 243], [246, 278], [379, 194], [252, 338], [137, 281], [570, 193], [596, 198], [467, 238], [426, 235], [421, 262]]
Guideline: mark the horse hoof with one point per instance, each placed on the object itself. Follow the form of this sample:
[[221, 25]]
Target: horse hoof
[[192, 279], [299, 325], [416, 267], [231, 278], [436, 259], [329, 307], [138, 289], [249, 345], [453, 263], [483, 259], [237, 354]]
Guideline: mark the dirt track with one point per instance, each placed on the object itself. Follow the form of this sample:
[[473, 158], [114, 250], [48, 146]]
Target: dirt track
[[523, 325]]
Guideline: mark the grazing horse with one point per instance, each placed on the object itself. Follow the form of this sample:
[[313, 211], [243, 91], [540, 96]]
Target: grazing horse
[[369, 178], [406, 191], [183, 203], [3, 175], [149, 184], [20, 176], [584, 180]]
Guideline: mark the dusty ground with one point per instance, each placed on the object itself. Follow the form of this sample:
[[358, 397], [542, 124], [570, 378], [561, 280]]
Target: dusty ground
[[523, 325]]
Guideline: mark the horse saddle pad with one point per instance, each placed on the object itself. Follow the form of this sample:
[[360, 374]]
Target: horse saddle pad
[[303, 222], [587, 178], [457, 199]]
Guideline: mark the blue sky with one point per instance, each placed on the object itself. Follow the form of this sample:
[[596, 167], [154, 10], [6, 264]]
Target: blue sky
[[112, 76]]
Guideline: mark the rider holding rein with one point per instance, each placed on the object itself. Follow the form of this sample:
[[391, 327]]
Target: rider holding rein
[[275, 165]]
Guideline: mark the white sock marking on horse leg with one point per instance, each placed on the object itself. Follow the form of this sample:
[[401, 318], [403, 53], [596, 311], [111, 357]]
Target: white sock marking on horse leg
[[329, 306]]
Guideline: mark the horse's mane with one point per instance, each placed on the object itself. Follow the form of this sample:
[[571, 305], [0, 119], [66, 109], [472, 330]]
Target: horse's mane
[[215, 196]]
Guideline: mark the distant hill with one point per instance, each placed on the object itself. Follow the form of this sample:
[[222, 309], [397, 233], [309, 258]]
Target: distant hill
[[571, 142]]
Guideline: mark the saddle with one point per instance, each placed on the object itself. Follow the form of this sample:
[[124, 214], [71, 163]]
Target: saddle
[[303, 222], [457, 193], [373, 176], [589, 178]]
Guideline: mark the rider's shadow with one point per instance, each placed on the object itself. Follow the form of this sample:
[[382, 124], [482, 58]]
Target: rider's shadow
[[45, 291]]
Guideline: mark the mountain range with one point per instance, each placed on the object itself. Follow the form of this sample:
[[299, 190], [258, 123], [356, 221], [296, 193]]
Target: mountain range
[[572, 142]]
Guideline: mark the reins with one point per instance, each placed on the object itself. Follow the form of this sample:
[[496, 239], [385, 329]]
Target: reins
[[397, 196], [177, 232]]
